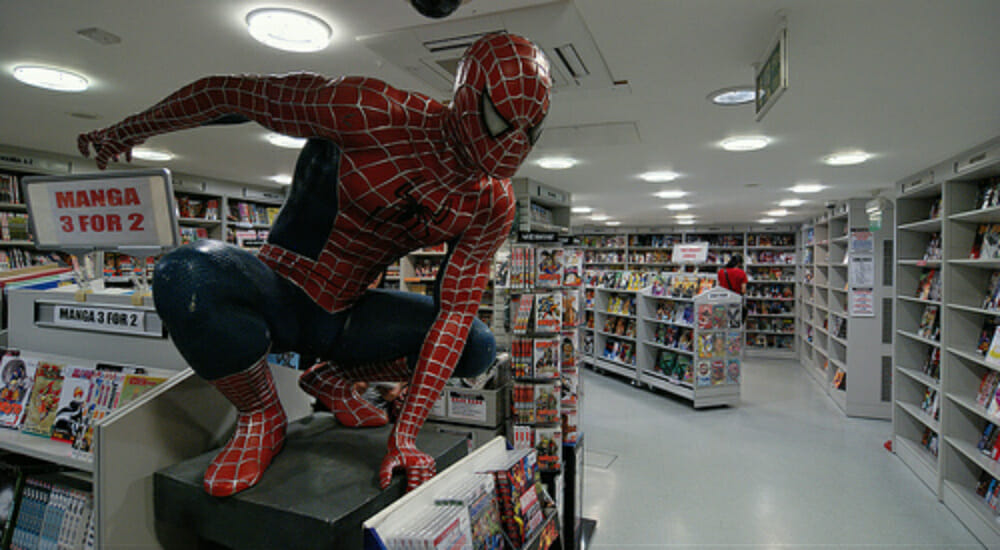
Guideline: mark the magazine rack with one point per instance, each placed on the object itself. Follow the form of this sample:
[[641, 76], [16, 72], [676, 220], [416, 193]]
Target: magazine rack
[[715, 351]]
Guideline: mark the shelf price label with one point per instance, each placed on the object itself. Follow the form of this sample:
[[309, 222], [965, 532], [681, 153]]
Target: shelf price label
[[100, 319]]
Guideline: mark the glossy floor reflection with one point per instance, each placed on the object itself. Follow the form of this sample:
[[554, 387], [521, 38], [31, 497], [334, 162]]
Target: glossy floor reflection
[[786, 469]]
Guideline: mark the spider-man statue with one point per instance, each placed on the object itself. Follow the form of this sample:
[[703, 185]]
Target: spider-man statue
[[384, 172]]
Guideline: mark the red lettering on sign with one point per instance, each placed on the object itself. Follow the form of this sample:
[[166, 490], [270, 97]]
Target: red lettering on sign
[[114, 222], [136, 220], [67, 223], [64, 199], [131, 196]]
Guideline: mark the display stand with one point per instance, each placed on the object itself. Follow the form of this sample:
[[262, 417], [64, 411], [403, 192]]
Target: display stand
[[317, 491]]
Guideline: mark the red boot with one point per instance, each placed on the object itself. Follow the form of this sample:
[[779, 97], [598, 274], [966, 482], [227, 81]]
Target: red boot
[[260, 431], [334, 387]]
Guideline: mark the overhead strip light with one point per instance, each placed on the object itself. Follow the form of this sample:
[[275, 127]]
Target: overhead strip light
[[51, 78]]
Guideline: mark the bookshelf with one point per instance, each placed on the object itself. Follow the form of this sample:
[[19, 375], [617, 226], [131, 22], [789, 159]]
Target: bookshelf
[[940, 412], [844, 331], [771, 256]]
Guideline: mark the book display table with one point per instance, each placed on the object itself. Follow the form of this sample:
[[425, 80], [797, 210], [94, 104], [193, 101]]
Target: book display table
[[315, 494]]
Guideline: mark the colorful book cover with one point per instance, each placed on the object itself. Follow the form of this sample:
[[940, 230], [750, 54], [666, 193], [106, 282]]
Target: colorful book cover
[[734, 342], [18, 375], [570, 424], [548, 312], [72, 401], [704, 316], [719, 344], [104, 391], [684, 370], [545, 355], [547, 397], [550, 268], [734, 315], [523, 318], [514, 482], [136, 385], [44, 400], [567, 351], [704, 374], [718, 372], [706, 344], [570, 308], [573, 267], [548, 444], [733, 371], [720, 316]]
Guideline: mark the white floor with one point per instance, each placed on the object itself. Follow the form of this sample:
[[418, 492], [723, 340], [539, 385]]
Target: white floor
[[785, 469]]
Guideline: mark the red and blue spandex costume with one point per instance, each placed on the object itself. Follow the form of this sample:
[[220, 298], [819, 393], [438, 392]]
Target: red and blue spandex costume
[[384, 172]]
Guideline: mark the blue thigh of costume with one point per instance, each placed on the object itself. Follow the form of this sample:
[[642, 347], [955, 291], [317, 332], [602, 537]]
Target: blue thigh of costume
[[224, 309]]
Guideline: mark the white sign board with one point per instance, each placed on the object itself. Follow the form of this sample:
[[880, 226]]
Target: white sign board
[[690, 253], [113, 211], [464, 406], [100, 319]]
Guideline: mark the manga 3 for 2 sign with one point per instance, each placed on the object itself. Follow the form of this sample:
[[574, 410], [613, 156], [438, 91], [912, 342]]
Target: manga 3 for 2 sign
[[100, 319], [102, 211]]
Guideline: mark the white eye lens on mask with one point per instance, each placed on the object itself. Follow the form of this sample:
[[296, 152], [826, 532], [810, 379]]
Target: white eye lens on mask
[[493, 121]]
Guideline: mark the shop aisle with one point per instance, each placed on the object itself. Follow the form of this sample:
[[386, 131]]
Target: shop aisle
[[784, 470]]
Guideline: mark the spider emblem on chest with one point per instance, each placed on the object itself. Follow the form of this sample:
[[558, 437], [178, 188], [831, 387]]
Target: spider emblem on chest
[[410, 213]]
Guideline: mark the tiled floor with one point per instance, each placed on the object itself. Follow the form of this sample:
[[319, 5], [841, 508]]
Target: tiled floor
[[786, 469]]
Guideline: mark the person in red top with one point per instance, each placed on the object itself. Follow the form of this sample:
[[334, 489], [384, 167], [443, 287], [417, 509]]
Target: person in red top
[[733, 277]]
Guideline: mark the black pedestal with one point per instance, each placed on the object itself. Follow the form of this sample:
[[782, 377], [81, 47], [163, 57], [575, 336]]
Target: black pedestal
[[315, 494]]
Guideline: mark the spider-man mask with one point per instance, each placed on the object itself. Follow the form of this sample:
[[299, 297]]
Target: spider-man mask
[[501, 97]]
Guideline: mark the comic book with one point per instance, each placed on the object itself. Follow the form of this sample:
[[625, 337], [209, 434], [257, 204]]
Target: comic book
[[545, 363], [72, 401], [720, 316], [569, 387], [135, 386], [104, 391], [570, 424], [718, 372], [520, 509], [704, 373], [18, 374], [706, 344], [568, 348], [550, 267], [734, 342], [734, 315], [684, 371], [733, 371], [548, 444], [547, 397], [523, 317], [570, 308], [704, 316], [548, 312], [44, 400], [572, 267]]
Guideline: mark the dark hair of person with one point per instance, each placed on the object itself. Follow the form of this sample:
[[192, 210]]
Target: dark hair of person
[[735, 261]]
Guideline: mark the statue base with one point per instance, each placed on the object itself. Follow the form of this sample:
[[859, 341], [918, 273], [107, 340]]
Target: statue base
[[316, 493]]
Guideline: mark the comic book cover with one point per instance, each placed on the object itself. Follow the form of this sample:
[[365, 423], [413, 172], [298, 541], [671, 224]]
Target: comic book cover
[[706, 344], [570, 424], [720, 317], [734, 314], [548, 312], [570, 308], [704, 316], [572, 267], [545, 363], [718, 372], [548, 443], [44, 400], [704, 373], [569, 387], [135, 386], [683, 368], [72, 400], [734, 342], [104, 391], [547, 402], [568, 347], [733, 371], [550, 268], [18, 375], [523, 317]]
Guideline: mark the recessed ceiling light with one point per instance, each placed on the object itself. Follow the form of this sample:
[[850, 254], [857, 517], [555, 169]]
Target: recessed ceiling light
[[678, 206], [600, 218], [689, 221], [283, 179], [670, 194], [846, 158], [151, 154], [807, 188], [792, 202], [288, 142], [612, 223], [582, 210], [777, 213], [659, 176], [735, 95], [684, 216], [766, 220], [557, 163], [289, 30], [745, 143], [51, 78]]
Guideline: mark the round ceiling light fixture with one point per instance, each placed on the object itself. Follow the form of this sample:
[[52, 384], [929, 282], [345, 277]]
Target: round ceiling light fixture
[[51, 78], [659, 176], [847, 158], [289, 30], [734, 95], [557, 163], [745, 143], [151, 154]]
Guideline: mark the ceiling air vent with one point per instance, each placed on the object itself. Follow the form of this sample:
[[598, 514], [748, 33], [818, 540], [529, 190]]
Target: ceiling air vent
[[431, 52]]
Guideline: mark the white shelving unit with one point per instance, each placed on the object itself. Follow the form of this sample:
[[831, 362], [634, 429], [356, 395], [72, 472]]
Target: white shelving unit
[[954, 472]]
